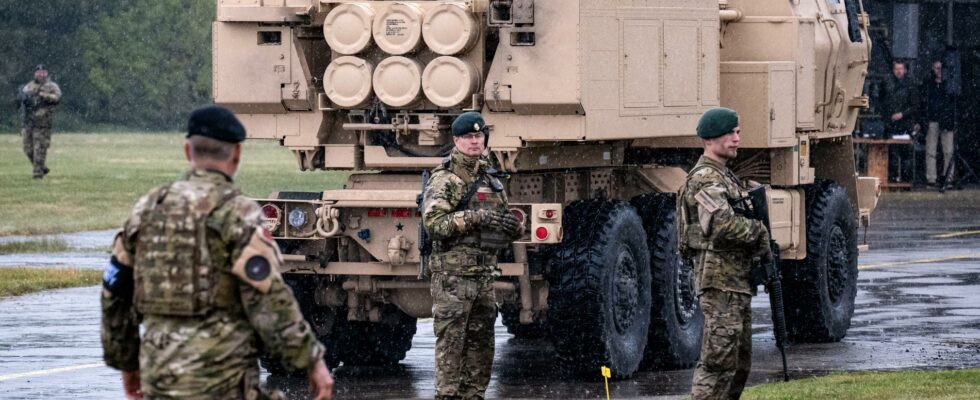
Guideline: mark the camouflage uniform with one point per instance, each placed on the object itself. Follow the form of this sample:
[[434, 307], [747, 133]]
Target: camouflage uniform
[[463, 266], [41, 97], [722, 243], [193, 265]]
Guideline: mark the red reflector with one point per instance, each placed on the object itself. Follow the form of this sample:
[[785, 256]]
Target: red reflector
[[401, 213], [549, 214], [541, 233], [270, 211], [376, 212], [517, 213]]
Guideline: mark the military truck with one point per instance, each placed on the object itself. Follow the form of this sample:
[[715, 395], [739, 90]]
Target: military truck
[[592, 106]]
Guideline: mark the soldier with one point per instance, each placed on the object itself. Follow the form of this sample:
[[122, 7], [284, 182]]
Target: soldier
[[37, 100], [194, 266], [466, 215], [722, 244]]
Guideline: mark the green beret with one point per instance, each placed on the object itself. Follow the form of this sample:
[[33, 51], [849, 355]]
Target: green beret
[[217, 123], [716, 122], [469, 122]]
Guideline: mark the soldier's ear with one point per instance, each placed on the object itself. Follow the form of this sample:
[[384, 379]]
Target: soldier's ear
[[187, 150]]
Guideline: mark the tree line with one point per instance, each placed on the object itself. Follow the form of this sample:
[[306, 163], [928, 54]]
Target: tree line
[[140, 64]]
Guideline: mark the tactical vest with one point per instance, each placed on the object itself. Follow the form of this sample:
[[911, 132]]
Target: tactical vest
[[485, 198], [173, 267], [690, 238]]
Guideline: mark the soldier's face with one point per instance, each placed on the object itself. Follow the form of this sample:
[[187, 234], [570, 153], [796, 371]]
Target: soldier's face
[[471, 144], [40, 75], [898, 69], [725, 146]]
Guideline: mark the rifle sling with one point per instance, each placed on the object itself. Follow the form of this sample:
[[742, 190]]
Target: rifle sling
[[470, 191]]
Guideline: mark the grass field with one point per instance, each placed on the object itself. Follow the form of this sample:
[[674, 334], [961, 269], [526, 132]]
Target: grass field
[[96, 178], [917, 385], [42, 245], [20, 281]]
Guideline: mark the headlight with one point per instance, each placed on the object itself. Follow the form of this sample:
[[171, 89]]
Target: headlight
[[297, 218]]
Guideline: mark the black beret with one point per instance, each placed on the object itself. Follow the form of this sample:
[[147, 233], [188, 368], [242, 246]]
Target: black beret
[[40, 67], [469, 122], [716, 122], [217, 123]]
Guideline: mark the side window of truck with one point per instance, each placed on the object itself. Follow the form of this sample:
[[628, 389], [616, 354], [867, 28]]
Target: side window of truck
[[853, 25]]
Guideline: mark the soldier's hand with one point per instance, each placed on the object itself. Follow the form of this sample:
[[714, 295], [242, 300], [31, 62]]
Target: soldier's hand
[[131, 385], [500, 220], [321, 383], [763, 251]]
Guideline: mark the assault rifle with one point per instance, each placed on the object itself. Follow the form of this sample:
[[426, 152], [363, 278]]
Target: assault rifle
[[27, 104], [425, 244], [766, 272]]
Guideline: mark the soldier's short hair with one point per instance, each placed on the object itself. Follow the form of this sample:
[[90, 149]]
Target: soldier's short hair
[[203, 147]]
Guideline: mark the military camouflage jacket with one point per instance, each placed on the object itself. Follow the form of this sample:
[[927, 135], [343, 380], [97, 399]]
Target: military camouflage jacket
[[249, 309], [720, 240], [41, 97], [449, 227]]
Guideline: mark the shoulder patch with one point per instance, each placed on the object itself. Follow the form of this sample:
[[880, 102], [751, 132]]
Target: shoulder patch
[[259, 262], [257, 268], [707, 202]]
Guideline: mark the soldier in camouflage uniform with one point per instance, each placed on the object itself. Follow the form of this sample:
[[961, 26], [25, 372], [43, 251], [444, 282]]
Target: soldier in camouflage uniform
[[38, 98], [722, 244], [193, 265], [465, 213]]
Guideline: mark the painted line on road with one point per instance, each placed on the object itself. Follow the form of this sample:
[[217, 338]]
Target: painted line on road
[[49, 371], [956, 234], [919, 261]]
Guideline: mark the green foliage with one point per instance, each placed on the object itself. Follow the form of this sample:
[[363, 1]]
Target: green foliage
[[150, 63], [960, 384], [20, 281], [139, 63]]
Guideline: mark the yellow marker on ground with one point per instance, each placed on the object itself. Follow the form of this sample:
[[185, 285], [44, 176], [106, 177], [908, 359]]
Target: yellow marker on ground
[[606, 374]]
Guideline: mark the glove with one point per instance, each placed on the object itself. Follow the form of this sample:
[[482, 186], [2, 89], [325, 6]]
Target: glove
[[763, 251], [499, 220]]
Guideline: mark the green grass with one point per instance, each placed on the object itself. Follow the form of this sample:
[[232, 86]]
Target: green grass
[[20, 281], [96, 178], [924, 385], [42, 245]]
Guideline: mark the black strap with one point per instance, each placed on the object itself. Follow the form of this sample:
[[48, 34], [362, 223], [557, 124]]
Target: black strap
[[465, 200]]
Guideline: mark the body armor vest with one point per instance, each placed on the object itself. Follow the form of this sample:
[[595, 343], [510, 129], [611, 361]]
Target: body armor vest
[[173, 266], [489, 195]]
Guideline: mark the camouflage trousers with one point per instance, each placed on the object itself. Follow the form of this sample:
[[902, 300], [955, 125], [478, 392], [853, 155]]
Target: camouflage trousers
[[726, 347], [249, 388], [37, 139], [464, 312]]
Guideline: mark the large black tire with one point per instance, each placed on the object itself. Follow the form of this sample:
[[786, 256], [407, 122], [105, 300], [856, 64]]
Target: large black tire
[[510, 315], [676, 321], [600, 289], [820, 290], [359, 343]]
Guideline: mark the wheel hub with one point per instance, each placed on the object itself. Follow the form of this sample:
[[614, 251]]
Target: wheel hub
[[626, 292], [837, 264], [686, 303]]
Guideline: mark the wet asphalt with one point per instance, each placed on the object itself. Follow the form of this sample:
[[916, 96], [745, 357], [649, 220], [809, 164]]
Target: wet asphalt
[[918, 306]]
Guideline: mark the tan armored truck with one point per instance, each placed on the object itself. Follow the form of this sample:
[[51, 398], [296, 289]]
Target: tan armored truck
[[593, 106]]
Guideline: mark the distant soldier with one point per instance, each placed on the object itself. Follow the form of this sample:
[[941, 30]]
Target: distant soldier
[[37, 101], [722, 244], [467, 217], [194, 266]]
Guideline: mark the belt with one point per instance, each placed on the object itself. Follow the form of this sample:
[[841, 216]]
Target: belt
[[464, 259]]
